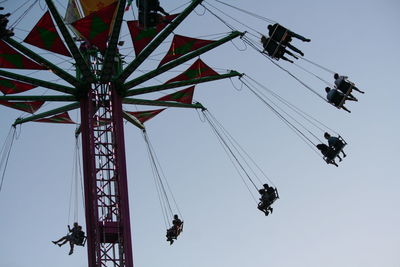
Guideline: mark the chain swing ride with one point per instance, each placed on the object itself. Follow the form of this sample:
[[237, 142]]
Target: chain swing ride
[[102, 87]]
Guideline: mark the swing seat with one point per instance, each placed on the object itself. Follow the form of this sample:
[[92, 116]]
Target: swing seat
[[82, 242], [281, 35], [334, 152], [348, 91], [274, 50], [173, 233], [260, 204]]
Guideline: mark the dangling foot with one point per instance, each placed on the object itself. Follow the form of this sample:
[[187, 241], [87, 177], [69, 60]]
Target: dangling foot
[[54, 242], [266, 213], [59, 245], [70, 252], [171, 242], [307, 40], [271, 210]]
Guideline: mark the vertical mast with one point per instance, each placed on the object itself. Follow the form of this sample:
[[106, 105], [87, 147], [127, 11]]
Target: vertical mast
[[106, 190]]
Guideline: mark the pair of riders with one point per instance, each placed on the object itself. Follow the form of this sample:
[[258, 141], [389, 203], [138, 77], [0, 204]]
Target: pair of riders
[[268, 196], [175, 230], [342, 92], [333, 149], [75, 237], [279, 39]]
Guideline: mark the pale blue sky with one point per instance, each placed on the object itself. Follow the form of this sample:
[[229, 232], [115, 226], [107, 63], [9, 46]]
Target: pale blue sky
[[327, 216]]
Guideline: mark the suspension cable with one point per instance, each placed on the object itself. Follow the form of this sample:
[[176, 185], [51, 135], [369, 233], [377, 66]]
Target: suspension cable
[[233, 140], [229, 148], [313, 121], [248, 12], [5, 153], [165, 180], [295, 129], [230, 156], [318, 65]]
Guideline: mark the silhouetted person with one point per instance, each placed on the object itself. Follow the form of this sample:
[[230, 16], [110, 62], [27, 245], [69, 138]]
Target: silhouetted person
[[4, 32], [336, 144], [328, 154], [268, 196], [275, 50], [175, 230], [335, 97], [277, 32], [343, 84], [74, 237]]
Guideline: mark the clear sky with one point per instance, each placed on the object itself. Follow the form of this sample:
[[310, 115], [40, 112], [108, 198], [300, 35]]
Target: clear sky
[[326, 216]]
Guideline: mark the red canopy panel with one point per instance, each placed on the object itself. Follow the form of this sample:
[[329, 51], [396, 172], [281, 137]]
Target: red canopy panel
[[182, 45], [96, 26], [144, 116], [9, 87], [197, 70], [12, 59], [142, 37], [27, 106], [44, 35], [183, 96], [59, 118]]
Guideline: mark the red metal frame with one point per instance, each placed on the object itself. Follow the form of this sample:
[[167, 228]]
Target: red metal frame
[[105, 179]]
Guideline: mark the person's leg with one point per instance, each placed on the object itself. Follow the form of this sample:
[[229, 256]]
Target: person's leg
[[298, 36], [285, 58], [295, 49], [59, 240], [358, 90], [71, 244], [343, 107], [290, 53]]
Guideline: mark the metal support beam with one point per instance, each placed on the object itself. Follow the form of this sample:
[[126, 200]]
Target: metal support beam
[[58, 98], [181, 60], [37, 82], [56, 70], [111, 51], [80, 61], [166, 86], [47, 113], [156, 42], [133, 120], [160, 103]]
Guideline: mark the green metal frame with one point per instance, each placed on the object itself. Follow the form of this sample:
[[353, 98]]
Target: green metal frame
[[156, 42], [181, 60], [146, 102], [61, 98], [48, 113], [111, 51], [80, 61], [166, 86], [56, 70], [133, 120], [37, 82]]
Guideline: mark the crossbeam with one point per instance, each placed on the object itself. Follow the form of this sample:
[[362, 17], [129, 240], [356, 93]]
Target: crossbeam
[[156, 42], [182, 59]]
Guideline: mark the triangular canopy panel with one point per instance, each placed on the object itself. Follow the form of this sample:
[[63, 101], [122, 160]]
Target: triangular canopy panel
[[183, 96], [143, 116], [44, 35], [9, 87], [95, 28], [141, 37], [59, 118], [27, 106], [12, 59], [197, 70], [182, 45]]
